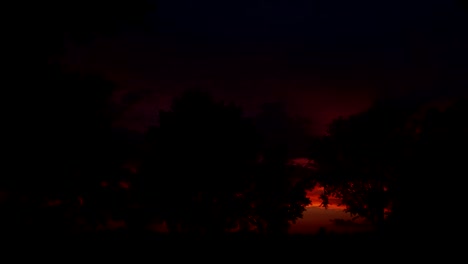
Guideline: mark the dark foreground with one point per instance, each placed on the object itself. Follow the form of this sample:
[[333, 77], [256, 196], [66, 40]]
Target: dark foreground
[[119, 244]]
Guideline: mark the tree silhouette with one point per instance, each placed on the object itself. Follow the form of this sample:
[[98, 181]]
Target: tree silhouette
[[280, 187], [59, 127], [278, 127], [209, 170], [361, 159], [437, 170], [279, 194], [199, 165], [68, 149], [384, 158]]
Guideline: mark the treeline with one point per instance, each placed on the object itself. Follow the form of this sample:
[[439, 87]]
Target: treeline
[[400, 165], [206, 168]]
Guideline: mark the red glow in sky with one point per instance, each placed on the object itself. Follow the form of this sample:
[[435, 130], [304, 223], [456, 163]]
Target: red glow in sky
[[148, 79], [316, 217], [313, 195]]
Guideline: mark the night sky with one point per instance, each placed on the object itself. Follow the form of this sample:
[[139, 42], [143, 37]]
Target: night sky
[[322, 59]]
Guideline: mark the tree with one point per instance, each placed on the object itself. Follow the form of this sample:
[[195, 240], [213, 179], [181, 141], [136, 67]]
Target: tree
[[59, 127], [210, 170], [280, 188], [66, 151], [362, 158], [199, 165], [279, 194], [383, 159], [279, 128], [438, 170]]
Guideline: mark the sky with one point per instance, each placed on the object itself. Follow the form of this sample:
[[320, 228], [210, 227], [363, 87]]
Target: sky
[[322, 58]]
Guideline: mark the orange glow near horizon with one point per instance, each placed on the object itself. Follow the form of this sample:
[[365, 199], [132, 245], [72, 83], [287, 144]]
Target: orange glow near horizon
[[317, 217], [314, 196]]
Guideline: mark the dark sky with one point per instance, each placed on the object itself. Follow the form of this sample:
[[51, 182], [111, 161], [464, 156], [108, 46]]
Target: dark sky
[[321, 58]]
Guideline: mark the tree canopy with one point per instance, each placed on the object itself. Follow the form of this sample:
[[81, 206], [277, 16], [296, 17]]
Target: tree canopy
[[207, 170], [381, 160]]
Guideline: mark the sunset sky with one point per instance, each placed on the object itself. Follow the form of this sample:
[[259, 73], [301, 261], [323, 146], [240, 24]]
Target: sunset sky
[[322, 59], [316, 217]]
